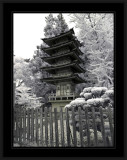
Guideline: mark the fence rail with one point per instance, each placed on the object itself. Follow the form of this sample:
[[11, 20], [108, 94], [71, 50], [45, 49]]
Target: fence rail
[[35, 127]]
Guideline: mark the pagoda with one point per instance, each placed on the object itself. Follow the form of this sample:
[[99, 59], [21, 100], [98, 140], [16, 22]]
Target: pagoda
[[64, 67]]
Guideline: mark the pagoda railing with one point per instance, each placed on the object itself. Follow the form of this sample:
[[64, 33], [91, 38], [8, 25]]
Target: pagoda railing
[[54, 97], [62, 75]]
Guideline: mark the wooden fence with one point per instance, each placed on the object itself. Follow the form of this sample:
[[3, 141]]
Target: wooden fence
[[35, 127]]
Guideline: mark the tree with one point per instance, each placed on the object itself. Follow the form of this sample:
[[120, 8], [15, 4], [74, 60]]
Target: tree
[[22, 71], [49, 28], [24, 96], [41, 89], [96, 33], [55, 26], [60, 25]]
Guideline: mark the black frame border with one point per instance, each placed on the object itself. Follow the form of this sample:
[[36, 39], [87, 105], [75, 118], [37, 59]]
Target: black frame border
[[9, 9]]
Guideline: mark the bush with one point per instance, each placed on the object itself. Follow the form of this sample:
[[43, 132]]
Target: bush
[[92, 97]]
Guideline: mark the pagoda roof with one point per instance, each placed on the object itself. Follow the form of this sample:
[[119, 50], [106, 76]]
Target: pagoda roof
[[74, 66], [72, 44], [49, 41], [75, 78], [73, 54]]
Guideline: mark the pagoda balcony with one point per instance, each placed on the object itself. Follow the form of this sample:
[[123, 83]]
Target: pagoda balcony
[[62, 75], [54, 97]]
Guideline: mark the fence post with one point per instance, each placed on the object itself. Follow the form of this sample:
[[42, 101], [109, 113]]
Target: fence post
[[32, 124], [80, 126], [36, 124], [94, 127], [14, 126], [102, 126], [74, 127], [46, 127], [28, 125], [67, 127], [87, 126], [62, 127], [24, 125], [56, 127], [17, 124], [20, 124], [111, 124], [51, 128], [41, 126]]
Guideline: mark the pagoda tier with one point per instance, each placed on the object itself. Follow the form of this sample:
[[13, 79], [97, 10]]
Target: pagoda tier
[[74, 67], [62, 48], [72, 55], [73, 78], [62, 38]]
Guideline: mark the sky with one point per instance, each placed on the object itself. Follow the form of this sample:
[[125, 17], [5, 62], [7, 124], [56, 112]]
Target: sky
[[28, 31]]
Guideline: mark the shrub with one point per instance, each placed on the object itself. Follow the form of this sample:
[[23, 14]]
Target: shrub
[[92, 97]]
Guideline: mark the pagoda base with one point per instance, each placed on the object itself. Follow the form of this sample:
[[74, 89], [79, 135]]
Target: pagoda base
[[59, 104]]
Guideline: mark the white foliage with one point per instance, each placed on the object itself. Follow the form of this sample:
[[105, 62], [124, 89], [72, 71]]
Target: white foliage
[[87, 90], [96, 33], [109, 93], [98, 91], [81, 94], [78, 101], [87, 96], [68, 106]]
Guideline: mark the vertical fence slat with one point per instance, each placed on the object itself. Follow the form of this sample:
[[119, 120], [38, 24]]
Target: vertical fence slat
[[62, 127], [46, 127], [17, 127], [32, 124], [110, 115], [102, 126], [56, 127], [24, 125], [94, 127], [36, 125], [74, 128], [87, 126], [41, 126], [51, 128], [20, 125], [67, 127], [39, 119], [28, 125], [80, 126], [14, 127]]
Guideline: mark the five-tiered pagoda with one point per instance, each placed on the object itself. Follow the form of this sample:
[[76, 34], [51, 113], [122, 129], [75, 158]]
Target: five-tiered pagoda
[[64, 60]]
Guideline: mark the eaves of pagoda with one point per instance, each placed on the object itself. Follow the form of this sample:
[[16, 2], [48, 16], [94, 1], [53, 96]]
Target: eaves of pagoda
[[73, 54], [75, 78], [72, 44], [49, 41], [74, 66]]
